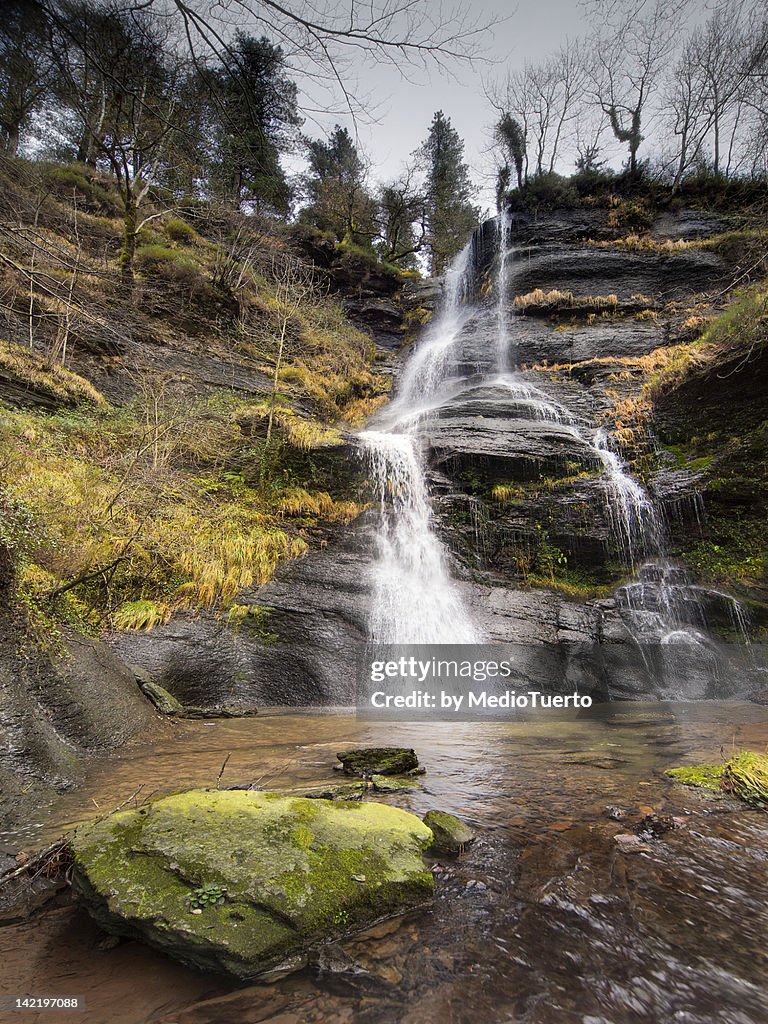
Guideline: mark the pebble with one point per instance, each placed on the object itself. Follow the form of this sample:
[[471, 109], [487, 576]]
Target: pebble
[[629, 843]]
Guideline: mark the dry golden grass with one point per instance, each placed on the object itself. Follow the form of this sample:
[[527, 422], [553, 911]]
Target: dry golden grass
[[643, 243], [299, 502], [299, 431], [359, 410], [556, 300], [63, 385]]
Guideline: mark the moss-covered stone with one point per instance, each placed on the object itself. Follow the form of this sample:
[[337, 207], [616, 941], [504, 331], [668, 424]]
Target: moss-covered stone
[[704, 776], [164, 701], [367, 761], [744, 776], [393, 783], [450, 835], [295, 872]]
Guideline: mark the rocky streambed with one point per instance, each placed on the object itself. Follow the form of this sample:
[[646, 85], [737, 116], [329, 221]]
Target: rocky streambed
[[597, 886]]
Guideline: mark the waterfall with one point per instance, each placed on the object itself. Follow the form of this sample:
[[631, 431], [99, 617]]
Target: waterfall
[[430, 365], [663, 603], [501, 288], [415, 601], [635, 524]]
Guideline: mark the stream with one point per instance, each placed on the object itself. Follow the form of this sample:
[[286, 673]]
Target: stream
[[543, 919]]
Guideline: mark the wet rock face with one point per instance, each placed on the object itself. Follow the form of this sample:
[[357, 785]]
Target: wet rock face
[[54, 709], [306, 652], [517, 490], [244, 882]]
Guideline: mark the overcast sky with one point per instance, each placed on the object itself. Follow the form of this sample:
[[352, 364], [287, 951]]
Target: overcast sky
[[528, 31], [405, 109]]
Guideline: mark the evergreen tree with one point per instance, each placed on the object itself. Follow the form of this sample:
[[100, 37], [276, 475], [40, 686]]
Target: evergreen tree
[[339, 199], [450, 215], [254, 118]]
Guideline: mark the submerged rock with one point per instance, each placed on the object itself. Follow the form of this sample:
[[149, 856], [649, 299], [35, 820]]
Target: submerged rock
[[367, 761], [629, 843], [393, 783], [289, 873], [348, 791], [450, 835]]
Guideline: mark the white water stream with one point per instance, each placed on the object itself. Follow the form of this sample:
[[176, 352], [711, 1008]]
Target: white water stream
[[415, 600]]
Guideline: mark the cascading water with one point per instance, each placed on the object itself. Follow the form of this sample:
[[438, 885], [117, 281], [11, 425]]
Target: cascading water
[[663, 603], [503, 230], [415, 601]]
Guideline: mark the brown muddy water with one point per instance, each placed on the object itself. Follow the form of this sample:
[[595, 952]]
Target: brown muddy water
[[543, 921]]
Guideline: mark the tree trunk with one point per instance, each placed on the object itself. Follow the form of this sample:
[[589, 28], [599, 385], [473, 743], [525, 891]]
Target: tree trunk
[[130, 230], [11, 141]]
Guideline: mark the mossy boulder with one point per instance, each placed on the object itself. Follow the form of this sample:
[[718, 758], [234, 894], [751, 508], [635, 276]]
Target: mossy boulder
[[368, 761], [450, 835], [164, 701], [292, 872]]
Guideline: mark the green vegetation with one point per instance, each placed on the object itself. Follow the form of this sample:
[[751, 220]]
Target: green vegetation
[[702, 776], [739, 331], [181, 494], [133, 521], [744, 776], [207, 896], [704, 400]]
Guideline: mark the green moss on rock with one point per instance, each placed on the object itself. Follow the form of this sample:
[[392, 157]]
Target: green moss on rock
[[451, 836], [367, 761], [295, 872], [744, 776], [704, 776]]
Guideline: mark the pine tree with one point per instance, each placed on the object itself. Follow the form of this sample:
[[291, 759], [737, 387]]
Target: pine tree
[[340, 201], [254, 111], [450, 215]]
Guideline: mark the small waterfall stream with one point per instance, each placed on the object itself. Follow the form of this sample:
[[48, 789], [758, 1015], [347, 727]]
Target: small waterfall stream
[[414, 598]]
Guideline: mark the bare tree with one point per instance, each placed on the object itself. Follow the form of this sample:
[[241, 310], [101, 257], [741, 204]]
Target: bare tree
[[127, 115], [541, 100], [630, 56], [325, 42], [295, 284], [687, 117]]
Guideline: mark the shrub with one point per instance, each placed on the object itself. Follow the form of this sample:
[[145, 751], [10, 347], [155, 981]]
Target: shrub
[[545, 192], [179, 231], [141, 615], [174, 266]]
